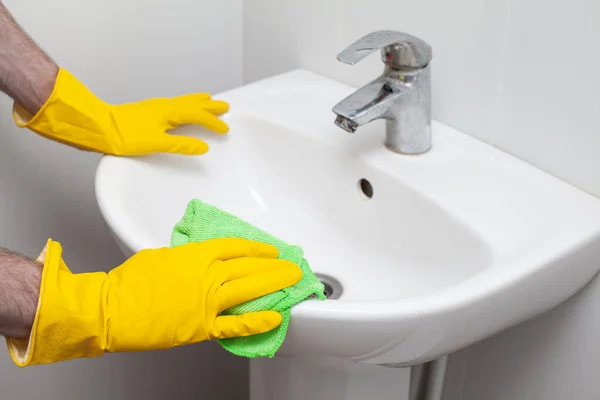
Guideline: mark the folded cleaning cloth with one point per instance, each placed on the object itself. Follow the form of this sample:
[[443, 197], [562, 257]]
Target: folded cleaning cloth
[[204, 222]]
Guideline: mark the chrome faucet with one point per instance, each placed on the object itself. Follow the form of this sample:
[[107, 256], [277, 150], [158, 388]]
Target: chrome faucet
[[401, 95]]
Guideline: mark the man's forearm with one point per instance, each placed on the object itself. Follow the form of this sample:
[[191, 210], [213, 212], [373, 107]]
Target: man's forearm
[[27, 74], [20, 279]]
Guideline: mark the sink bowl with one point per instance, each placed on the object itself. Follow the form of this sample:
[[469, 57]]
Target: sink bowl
[[432, 252]]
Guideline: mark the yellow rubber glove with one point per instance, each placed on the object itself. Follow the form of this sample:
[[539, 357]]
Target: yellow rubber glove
[[157, 299], [75, 116]]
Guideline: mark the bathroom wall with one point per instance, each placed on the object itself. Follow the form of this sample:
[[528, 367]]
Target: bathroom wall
[[124, 50], [518, 74]]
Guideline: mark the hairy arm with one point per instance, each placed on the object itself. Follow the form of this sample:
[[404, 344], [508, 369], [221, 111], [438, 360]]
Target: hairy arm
[[20, 279], [27, 74]]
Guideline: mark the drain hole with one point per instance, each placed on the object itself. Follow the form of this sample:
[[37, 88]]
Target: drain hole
[[365, 188], [333, 288]]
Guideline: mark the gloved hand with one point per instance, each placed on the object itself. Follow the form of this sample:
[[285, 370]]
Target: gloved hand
[[75, 116], [157, 299]]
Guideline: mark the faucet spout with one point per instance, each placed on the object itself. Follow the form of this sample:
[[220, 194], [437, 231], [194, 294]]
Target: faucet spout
[[346, 124], [403, 99], [368, 103]]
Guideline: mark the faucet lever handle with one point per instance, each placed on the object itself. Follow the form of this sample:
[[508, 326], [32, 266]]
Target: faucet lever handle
[[399, 50]]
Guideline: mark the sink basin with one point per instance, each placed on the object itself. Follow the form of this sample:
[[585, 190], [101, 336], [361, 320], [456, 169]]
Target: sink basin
[[433, 252]]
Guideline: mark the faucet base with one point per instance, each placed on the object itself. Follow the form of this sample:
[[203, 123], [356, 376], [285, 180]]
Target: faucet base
[[406, 153], [409, 133]]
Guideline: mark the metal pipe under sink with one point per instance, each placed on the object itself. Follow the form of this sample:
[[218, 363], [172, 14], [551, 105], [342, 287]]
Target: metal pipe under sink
[[426, 380]]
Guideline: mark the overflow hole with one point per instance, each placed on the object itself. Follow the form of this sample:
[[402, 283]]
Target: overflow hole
[[365, 189]]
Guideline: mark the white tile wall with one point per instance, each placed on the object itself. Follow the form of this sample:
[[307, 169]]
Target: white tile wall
[[279, 36], [123, 50], [551, 89], [160, 48], [518, 74]]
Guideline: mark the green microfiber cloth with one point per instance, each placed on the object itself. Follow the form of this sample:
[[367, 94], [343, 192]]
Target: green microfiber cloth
[[204, 222]]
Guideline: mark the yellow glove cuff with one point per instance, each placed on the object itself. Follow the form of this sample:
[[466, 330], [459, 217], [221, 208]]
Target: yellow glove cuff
[[72, 115], [69, 322]]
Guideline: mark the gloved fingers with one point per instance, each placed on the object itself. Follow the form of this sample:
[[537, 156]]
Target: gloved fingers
[[189, 103], [183, 145], [250, 287], [187, 113], [178, 102], [247, 266], [196, 109], [216, 107], [191, 97], [229, 326], [197, 116], [230, 248]]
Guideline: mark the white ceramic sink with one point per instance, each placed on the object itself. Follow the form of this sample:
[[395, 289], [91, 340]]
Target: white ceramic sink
[[454, 245]]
